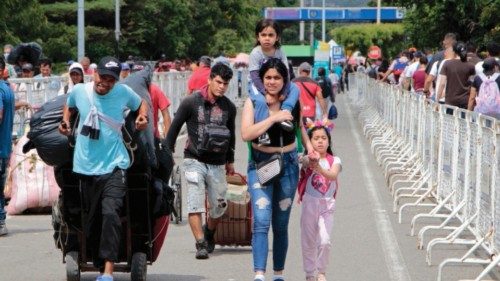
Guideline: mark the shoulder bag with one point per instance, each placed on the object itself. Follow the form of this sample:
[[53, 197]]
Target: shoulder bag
[[271, 169]]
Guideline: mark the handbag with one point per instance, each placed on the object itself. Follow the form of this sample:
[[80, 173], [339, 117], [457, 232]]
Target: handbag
[[271, 169]]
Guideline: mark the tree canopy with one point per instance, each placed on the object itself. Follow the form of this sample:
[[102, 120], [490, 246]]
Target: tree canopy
[[427, 21], [149, 28]]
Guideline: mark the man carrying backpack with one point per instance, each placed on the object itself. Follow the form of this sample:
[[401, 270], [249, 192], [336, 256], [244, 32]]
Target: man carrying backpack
[[326, 84], [485, 96], [208, 154], [397, 66]]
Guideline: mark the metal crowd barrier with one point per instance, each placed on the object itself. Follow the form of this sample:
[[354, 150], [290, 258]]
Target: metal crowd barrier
[[436, 157], [37, 91]]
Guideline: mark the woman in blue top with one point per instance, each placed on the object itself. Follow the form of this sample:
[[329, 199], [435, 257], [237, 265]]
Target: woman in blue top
[[271, 203]]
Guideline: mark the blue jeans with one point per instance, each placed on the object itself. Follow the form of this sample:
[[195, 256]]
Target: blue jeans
[[272, 204], [4, 164]]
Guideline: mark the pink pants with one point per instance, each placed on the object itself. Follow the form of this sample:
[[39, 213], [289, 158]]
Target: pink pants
[[316, 224]]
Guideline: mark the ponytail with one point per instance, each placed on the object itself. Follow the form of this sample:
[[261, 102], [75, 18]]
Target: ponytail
[[460, 49]]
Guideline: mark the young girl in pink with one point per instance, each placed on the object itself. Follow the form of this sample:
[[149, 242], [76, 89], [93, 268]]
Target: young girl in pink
[[317, 190]]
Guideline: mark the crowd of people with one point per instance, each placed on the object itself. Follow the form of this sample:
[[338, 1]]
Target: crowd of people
[[287, 122], [452, 76]]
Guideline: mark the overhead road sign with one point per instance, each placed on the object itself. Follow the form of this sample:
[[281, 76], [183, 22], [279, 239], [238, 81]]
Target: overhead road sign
[[334, 14]]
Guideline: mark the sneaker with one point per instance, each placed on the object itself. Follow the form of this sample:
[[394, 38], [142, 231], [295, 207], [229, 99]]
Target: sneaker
[[104, 277], [321, 277], [3, 229], [259, 277], [287, 126], [201, 250], [209, 237]]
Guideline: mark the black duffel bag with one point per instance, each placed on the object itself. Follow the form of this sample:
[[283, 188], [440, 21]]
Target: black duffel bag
[[52, 147]]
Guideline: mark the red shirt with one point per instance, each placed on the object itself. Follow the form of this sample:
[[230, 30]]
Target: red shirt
[[419, 80], [199, 78], [160, 102], [307, 101]]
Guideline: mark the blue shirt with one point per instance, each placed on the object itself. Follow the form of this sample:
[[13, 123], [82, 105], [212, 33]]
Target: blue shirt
[[102, 156], [7, 104]]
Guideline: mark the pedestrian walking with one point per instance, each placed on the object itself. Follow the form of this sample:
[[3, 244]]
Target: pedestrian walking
[[456, 74], [317, 191], [200, 75], [209, 153], [311, 94], [267, 33], [7, 107], [101, 158], [272, 199]]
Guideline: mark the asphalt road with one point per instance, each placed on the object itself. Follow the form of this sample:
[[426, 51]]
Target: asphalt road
[[368, 242]]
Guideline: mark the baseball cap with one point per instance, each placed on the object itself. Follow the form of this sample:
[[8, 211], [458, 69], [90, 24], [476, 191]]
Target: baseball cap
[[138, 66], [27, 66], [76, 67], [125, 66], [109, 66], [305, 66], [418, 54], [206, 60], [489, 64]]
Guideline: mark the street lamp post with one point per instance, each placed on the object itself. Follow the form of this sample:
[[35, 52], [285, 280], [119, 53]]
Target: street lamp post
[[378, 10], [81, 29], [323, 12], [117, 27]]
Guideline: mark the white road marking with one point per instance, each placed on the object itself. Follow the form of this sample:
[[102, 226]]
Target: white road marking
[[394, 260]]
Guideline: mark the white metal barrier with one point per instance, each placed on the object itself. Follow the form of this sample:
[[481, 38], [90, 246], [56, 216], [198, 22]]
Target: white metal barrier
[[436, 156], [37, 91]]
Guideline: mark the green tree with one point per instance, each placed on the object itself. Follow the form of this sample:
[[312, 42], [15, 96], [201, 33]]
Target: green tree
[[426, 22], [21, 24], [389, 37]]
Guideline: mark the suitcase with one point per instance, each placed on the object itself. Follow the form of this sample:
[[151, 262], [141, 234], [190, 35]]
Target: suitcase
[[235, 226]]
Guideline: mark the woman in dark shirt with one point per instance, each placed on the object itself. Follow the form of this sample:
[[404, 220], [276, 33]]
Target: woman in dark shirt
[[272, 203]]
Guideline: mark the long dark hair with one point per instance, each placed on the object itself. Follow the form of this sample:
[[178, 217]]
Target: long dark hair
[[460, 49], [279, 66], [263, 24], [310, 133]]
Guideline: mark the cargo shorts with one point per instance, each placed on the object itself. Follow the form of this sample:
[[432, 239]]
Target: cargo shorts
[[200, 177]]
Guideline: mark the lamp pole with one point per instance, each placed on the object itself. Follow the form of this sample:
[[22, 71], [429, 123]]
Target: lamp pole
[[323, 35], [301, 25], [81, 29], [379, 4], [117, 27]]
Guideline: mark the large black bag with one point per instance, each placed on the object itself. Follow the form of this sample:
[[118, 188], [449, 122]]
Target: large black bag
[[144, 140], [27, 52], [52, 147]]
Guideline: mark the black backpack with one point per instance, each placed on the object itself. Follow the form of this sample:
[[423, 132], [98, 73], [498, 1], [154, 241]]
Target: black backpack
[[326, 86]]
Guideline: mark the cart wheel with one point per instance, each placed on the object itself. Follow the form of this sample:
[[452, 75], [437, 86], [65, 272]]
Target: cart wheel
[[138, 268], [72, 266]]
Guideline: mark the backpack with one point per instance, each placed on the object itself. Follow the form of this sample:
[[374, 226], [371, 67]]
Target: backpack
[[488, 97], [399, 67], [326, 86]]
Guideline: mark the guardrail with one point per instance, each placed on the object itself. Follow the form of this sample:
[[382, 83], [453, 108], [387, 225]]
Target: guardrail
[[37, 91], [438, 157]]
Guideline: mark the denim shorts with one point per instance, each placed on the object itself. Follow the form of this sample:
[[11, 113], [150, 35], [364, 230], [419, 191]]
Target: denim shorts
[[200, 177]]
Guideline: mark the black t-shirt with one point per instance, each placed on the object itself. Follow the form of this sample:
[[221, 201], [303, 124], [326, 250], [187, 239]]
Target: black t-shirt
[[192, 112], [275, 130]]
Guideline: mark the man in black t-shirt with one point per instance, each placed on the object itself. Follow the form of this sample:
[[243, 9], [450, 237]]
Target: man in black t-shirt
[[209, 153]]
